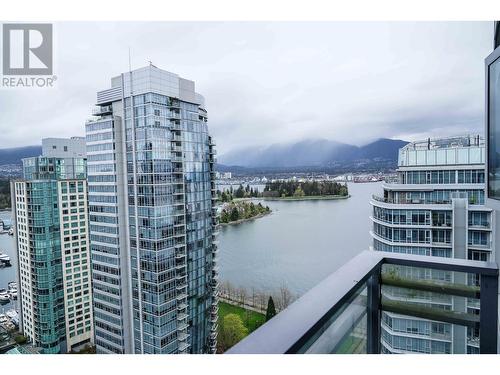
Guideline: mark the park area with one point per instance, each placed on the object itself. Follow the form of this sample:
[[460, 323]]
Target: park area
[[235, 323]]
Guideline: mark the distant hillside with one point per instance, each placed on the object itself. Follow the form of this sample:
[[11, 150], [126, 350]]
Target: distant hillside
[[14, 155], [313, 153], [382, 148]]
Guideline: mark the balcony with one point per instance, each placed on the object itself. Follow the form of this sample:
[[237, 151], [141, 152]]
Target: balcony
[[183, 347], [182, 316], [343, 314], [102, 110], [402, 201]]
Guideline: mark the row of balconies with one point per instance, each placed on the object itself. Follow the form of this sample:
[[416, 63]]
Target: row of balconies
[[176, 136]]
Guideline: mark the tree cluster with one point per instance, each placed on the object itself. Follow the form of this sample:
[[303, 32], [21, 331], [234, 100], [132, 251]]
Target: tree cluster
[[259, 299], [235, 211], [231, 331], [4, 194], [304, 189], [240, 192]]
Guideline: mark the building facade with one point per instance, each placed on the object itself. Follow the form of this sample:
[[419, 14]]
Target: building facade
[[152, 218], [54, 273], [435, 208], [492, 132]]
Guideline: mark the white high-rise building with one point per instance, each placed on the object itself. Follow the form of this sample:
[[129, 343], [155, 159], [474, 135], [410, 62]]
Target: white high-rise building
[[54, 274], [435, 208]]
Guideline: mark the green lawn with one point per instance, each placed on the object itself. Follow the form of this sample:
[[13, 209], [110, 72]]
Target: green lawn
[[251, 319]]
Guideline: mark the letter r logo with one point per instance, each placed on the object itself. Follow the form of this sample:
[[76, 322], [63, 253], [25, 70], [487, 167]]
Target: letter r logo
[[27, 49]]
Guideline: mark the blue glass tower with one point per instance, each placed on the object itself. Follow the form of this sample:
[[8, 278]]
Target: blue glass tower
[[151, 188]]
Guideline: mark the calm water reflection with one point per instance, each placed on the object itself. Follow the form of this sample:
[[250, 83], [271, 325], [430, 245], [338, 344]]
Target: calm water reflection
[[299, 244]]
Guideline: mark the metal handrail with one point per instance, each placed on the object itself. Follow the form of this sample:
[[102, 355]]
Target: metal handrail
[[292, 328]]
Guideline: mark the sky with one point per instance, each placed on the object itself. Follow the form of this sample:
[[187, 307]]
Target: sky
[[266, 83]]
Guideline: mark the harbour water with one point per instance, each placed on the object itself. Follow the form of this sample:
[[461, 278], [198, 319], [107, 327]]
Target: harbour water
[[8, 274], [299, 244]]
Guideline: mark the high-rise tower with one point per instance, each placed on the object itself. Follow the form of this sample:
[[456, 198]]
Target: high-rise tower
[[152, 218], [435, 208], [50, 207]]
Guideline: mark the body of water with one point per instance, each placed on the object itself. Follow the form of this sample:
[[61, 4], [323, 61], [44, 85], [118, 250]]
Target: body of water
[[8, 274], [299, 244]]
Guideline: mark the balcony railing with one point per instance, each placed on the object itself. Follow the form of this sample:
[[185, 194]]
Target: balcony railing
[[408, 201], [343, 313]]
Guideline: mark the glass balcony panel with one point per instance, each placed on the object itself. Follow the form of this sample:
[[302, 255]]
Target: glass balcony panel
[[345, 332], [429, 311]]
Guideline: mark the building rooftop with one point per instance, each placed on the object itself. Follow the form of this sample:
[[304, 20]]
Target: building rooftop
[[450, 142], [461, 150], [150, 79]]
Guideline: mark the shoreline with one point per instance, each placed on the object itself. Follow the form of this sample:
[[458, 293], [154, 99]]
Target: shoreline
[[247, 219], [310, 198]]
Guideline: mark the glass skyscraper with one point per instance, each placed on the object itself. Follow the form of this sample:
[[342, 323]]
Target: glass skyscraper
[[152, 219], [50, 206], [435, 208]]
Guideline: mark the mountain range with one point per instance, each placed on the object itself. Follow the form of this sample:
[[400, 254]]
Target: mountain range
[[307, 153], [313, 153], [14, 155]]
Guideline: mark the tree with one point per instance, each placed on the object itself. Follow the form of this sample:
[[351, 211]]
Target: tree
[[271, 310], [224, 217], [243, 296], [262, 299], [231, 331], [298, 192], [285, 297], [253, 296], [235, 215], [230, 290], [240, 192], [20, 339]]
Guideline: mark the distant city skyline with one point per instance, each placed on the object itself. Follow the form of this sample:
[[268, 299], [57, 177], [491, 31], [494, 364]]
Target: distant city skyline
[[266, 83]]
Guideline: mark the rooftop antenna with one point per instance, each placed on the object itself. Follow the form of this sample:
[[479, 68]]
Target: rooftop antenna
[[129, 61], [151, 64]]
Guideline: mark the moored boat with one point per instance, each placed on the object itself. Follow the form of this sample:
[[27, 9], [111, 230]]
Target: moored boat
[[13, 293], [5, 259], [4, 296]]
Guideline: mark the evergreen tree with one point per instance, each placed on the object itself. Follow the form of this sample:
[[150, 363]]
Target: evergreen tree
[[240, 192], [271, 310], [235, 215]]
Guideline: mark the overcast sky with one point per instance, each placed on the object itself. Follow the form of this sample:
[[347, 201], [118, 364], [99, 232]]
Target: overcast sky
[[269, 83]]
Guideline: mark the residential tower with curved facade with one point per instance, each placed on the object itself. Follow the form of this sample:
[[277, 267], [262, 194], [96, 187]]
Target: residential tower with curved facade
[[435, 208]]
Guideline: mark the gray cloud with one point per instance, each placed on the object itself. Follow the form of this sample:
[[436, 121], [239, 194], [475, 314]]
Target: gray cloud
[[274, 82]]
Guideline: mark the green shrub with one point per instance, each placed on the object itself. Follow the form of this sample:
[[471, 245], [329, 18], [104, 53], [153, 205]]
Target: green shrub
[[20, 339]]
